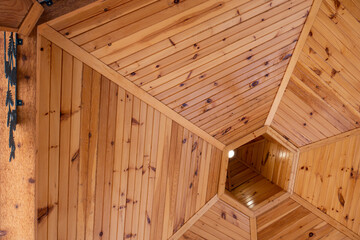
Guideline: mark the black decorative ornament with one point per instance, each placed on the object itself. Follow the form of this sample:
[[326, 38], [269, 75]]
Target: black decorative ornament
[[11, 102]]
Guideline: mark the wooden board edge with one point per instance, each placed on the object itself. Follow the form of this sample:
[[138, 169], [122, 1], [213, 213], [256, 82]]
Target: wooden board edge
[[251, 136], [293, 172], [330, 140], [194, 218], [223, 171], [280, 139], [233, 202], [253, 228], [31, 19], [67, 45], [8, 29], [293, 60], [325, 217], [272, 204]]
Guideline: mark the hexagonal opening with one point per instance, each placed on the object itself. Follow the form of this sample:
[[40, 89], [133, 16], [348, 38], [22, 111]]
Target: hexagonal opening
[[259, 171]]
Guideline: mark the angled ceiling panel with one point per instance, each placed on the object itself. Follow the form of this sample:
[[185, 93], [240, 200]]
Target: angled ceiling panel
[[323, 96], [218, 64], [220, 222]]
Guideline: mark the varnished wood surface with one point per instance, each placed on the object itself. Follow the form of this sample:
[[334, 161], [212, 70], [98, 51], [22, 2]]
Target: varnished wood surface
[[267, 157], [328, 177], [189, 55], [290, 220], [248, 186], [13, 12], [322, 98], [111, 166], [220, 222]]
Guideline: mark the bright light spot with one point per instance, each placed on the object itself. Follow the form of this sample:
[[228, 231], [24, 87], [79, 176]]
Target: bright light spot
[[250, 202], [282, 154], [231, 153]]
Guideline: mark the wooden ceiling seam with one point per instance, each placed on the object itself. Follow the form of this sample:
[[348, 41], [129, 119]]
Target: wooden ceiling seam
[[293, 60], [194, 218], [330, 140], [52, 35]]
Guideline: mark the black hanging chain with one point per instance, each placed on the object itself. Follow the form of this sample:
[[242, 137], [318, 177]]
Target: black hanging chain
[[10, 62]]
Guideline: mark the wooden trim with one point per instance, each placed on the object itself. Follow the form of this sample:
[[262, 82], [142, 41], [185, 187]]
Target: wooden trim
[[8, 29], [64, 43], [293, 172], [253, 228], [31, 19], [247, 138], [295, 56], [280, 139], [233, 202], [194, 218], [223, 172], [330, 140], [325, 217], [272, 203]]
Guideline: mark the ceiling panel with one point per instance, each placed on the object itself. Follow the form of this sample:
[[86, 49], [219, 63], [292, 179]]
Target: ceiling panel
[[323, 96], [218, 64]]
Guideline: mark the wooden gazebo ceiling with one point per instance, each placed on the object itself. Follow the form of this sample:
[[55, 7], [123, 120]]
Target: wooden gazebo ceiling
[[218, 64], [323, 96]]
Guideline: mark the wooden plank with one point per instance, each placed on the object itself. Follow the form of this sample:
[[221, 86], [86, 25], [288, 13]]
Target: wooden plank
[[294, 170], [84, 150], [325, 217], [253, 228], [294, 58], [65, 134], [31, 19], [55, 98], [329, 140], [92, 160], [194, 218], [247, 138], [283, 196], [97, 65], [43, 128], [74, 147], [12, 13]]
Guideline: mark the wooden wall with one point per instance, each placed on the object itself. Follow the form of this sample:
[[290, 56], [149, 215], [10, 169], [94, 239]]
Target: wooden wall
[[110, 166], [269, 158], [289, 220], [323, 96], [220, 222], [328, 177]]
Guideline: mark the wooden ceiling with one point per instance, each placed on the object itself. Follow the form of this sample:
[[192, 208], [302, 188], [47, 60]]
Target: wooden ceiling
[[218, 64], [142, 99], [323, 96]]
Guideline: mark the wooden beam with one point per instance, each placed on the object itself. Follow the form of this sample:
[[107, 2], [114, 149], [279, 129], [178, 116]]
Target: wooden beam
[[247, 138], [223, 171], [31, 19], [325, 217], [330, 140], [253, 228], [280, 139], [64, 43], [194, 218], [293, 172], [228, 198], [295, 56]]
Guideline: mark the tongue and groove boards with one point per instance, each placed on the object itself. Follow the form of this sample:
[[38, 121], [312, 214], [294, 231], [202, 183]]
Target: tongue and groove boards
[[210, 61], [323, 96], [109, 165]]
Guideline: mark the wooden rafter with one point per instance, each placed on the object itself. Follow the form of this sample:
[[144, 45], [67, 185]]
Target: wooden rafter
[[55, 37], [295, 56]]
